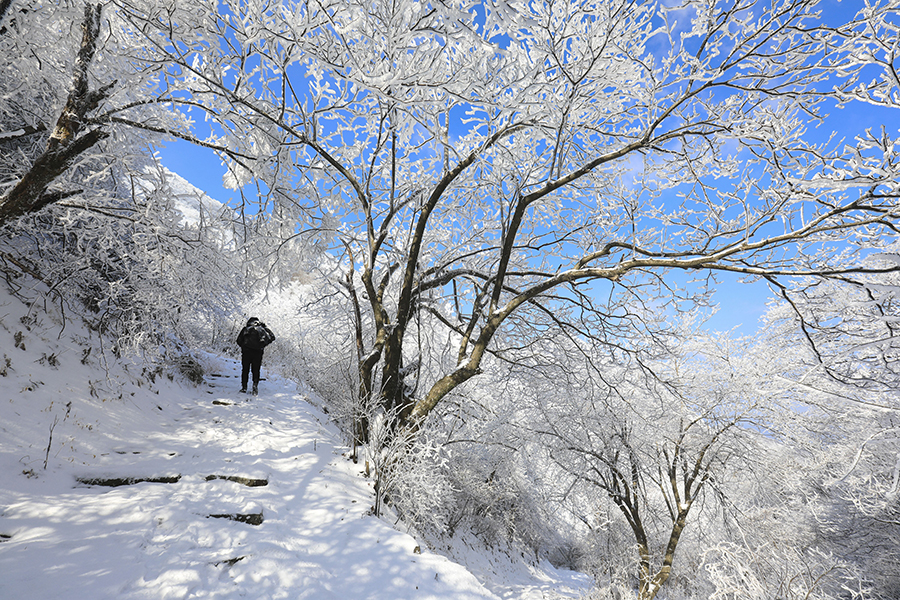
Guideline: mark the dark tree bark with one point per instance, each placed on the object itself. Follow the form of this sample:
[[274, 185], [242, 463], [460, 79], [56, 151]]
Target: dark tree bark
[[4, 6], [64, 146]]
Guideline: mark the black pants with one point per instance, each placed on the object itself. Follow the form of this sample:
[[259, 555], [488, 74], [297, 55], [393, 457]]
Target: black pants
[[250, 359]]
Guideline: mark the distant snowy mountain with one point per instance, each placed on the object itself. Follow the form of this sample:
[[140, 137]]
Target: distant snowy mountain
[[193, 204]]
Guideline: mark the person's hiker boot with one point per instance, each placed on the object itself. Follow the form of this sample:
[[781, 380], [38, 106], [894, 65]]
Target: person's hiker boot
[[243, 390], [255, 390]]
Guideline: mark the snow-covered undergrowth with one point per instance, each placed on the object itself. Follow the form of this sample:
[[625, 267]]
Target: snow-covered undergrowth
[[242, 497]]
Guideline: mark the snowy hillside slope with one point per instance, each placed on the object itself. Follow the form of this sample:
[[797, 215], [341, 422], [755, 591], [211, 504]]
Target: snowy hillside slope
[[119, 482]]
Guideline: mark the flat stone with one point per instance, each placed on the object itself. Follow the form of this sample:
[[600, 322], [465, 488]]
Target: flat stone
[[250, 519], [248, 481], [119, 481]]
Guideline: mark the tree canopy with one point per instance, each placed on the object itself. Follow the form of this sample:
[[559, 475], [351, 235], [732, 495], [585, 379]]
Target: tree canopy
[[511, 193], [493, 161]]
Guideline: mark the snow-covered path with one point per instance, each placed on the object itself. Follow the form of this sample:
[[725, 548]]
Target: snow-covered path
[[250, 497], [70, 539]]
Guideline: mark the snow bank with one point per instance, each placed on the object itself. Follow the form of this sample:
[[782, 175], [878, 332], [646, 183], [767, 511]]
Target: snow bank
[[117, 482]]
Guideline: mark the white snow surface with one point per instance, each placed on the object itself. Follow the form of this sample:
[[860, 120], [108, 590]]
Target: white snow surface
[[63, 538]]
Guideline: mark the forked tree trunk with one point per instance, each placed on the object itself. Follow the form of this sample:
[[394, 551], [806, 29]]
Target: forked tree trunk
[[651, 585]]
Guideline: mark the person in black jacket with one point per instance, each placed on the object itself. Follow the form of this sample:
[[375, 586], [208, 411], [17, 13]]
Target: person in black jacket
[[252, 339]]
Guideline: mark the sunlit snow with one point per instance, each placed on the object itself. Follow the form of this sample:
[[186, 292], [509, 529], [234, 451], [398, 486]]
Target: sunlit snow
[[64, 536]]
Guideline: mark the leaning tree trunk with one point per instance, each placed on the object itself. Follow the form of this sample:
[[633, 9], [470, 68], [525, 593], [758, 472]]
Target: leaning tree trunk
[[64, 146], [650, 585]]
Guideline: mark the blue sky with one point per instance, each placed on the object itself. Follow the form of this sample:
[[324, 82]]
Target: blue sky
[[741, 305]]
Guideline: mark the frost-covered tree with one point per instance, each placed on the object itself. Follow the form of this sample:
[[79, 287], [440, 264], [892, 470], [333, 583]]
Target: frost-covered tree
[[843, 336], [495, 163], [65, 64], [84, 208], [70, 138], [843, 343], [645, 452], [496, 170], [680, 471]]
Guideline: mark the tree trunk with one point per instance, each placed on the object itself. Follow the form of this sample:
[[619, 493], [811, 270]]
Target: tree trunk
[[30, 195], [364, 372], [64, 146]]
